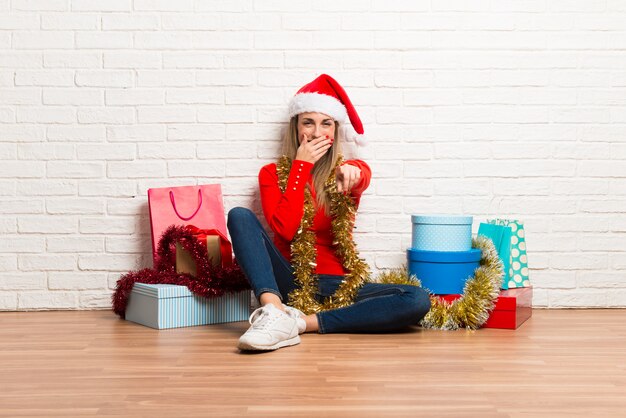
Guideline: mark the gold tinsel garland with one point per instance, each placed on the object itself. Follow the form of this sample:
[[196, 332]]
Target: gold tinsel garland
[[303, 253], [472, 309]]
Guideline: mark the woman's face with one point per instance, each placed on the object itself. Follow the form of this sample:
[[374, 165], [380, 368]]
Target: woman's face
[[312, 125]]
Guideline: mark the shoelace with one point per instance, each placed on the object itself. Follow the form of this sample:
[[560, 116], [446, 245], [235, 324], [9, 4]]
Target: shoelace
[[261, 318]]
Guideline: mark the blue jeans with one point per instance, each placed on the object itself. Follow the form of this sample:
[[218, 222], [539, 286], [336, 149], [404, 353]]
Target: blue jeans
[[377, 307]]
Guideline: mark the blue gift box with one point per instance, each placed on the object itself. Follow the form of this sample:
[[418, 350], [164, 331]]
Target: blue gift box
[[164, 306], [443, 272], [442, 232]]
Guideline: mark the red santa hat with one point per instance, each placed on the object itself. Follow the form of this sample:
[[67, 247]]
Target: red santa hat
[[325, 95]]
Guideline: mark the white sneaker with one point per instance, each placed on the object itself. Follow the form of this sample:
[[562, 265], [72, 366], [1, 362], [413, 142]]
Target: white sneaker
[[271, 329], [297, 315]]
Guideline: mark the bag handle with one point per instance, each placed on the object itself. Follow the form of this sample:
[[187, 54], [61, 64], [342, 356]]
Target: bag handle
[[176, 210]]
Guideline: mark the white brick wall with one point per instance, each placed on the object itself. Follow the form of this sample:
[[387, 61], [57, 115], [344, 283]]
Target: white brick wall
[[493, 108]]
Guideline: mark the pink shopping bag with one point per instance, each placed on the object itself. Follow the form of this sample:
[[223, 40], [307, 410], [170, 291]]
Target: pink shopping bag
[[201, 206]]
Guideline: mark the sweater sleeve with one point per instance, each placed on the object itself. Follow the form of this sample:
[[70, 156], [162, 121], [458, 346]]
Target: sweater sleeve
[[283, 211]]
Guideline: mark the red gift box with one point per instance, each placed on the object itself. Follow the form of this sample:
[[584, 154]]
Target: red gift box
[[513, 308]]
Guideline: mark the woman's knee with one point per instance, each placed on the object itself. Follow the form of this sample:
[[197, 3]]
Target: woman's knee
[[239, 216], [417, 304], [422, 301]]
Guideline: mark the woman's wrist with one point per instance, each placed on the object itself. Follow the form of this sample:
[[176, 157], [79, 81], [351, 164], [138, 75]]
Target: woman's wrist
[[303, 158]]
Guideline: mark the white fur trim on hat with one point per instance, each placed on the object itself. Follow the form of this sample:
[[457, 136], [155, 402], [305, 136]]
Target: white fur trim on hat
[[351, 136], [316, 102]]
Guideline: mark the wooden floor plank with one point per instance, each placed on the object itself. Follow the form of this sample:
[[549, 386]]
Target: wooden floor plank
[[91, 364]]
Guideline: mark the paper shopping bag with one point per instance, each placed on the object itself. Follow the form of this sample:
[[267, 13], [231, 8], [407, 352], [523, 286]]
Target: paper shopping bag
[[501, 237], [201, 206], [518, 265]]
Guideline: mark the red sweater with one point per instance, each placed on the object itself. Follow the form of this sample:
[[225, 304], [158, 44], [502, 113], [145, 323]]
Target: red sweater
[[284, 211]]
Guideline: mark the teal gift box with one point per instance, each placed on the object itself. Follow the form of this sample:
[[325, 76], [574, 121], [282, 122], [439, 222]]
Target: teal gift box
[[163, 306], [442, 232]]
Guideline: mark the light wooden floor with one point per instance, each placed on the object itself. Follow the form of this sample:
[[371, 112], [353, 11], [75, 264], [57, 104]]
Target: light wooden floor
[[90, 363]]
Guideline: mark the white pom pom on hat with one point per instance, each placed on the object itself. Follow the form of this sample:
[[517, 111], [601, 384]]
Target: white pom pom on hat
[[325, 95]]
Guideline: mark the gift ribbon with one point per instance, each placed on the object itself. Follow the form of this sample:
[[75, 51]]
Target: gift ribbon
[[201, 235]]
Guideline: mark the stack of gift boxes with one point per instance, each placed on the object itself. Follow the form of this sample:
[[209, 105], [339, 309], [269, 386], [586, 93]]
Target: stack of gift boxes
[[163, 306], [443, 259]]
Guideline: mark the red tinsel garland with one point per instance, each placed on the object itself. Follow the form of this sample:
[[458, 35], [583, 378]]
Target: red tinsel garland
[[210, 281]]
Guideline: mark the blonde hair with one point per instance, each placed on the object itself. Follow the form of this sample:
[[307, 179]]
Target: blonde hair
[[322, 168]]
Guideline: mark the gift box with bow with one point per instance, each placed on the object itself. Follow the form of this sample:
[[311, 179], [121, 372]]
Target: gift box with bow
[[218, 250]]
